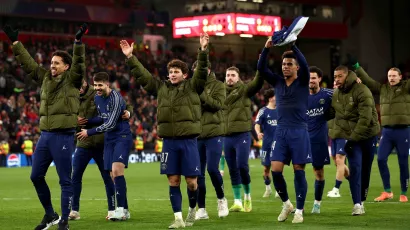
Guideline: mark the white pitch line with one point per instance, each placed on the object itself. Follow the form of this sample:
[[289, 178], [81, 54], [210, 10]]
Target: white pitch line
[[162, 199]]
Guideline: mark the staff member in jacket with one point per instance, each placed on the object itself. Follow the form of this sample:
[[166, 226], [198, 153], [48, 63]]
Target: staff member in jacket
[[179, 114], [210, 143], [395, 120], [58, 120], [355, 131], [238, 124]]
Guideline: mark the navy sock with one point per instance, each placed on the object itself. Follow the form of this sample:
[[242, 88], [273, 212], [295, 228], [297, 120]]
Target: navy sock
[[126, 201], [110, 191], [280, 185], [300, 188], [192, 197], [176, 198], [267, 180], [319, 186], [121, 188], [338, 183]]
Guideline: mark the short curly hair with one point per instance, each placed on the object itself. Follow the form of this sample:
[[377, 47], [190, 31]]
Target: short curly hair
[[67, 58], [176, 63]]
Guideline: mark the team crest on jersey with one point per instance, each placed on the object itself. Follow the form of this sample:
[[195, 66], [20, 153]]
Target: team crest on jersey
[[322, 101]]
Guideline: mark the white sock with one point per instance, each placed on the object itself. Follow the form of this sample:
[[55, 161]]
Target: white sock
[[317, 202], [247, 196], [268, 188], [336, 189], [299, 211], [358, 204], [362, 203], [238, 201], [178, 215], [287, 202], [201, 209]]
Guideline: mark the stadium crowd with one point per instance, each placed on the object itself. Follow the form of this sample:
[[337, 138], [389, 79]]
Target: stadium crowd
[[19, 96]]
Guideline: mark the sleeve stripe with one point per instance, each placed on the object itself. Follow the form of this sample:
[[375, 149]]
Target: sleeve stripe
[[110, 124], [260, 113]]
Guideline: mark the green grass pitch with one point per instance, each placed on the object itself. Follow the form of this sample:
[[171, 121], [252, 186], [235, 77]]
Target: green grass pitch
[[150, 207]]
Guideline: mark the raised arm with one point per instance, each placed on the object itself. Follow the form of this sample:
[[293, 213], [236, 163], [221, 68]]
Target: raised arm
[[201, 71], [264, 71], [33, 70], [143, 77], [303, 73], [109, 124], [77, 70], [365, 104], [373, 85], [255, 85], [214, 101]]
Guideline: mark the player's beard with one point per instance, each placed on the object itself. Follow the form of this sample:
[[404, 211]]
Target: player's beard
[[314, 89]]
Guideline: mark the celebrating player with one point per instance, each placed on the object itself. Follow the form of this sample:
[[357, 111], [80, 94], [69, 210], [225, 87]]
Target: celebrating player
[[319, 102], [266, 122], [91, 148], [355, 108], [395, 120], [117, 138], [210, 143], [58, 120], [291, 136], [179, 114], [237, 115]]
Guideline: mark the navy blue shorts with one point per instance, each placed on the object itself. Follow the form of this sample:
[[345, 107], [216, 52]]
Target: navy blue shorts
[[180, 157], [265, 156], [291, 144], [339, 146], [117, 151], [320, 154], [333, 147]]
